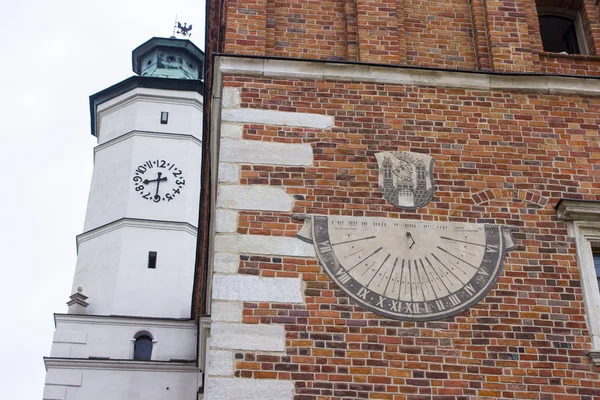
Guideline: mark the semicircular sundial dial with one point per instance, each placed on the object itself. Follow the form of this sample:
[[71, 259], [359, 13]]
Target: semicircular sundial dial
[[409, 270]]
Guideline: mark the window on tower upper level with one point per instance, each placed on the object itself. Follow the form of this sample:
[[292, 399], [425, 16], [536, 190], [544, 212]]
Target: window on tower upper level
[[562, 29], [142, 349]]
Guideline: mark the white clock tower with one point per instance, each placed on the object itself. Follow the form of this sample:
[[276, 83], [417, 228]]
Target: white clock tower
[[128, 333]]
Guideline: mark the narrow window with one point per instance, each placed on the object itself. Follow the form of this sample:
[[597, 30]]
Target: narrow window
[[142, 349], [596, 256], [152, 259], [164, 117]]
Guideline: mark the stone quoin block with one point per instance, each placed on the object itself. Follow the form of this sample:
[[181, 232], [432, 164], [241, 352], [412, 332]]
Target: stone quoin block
[[247, 337], [233, 131], [252, 389], [226, 263], [240, 197], [253, 288], [257, 244], [226, 221], [229, 173], [220, 362], [265, 153], [226, 311], [278, 118]]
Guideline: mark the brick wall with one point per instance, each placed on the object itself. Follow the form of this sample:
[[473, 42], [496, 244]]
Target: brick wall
[[501, 157], [439, 34], [282, 328], [498, 35]]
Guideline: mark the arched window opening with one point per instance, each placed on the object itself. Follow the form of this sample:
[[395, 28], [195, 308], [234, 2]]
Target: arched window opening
[[561, 30], [142, 349]]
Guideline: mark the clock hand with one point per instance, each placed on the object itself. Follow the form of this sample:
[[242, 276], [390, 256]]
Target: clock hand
[[147, 181], [157, 185]]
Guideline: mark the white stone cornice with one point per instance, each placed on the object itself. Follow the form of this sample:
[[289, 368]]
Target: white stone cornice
[[172, 97], [158, 135], [124, 321], [127, 365], [136, 223], [323, 70], [577, 210]]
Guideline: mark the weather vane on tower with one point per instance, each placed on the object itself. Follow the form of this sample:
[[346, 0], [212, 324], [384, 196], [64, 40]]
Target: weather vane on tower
[[182, 30]]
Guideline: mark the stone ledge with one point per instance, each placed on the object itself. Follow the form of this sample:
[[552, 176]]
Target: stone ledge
[[323, 70]]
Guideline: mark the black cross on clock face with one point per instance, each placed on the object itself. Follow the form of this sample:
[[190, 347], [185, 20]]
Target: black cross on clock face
[[158, 180], [409, 270]]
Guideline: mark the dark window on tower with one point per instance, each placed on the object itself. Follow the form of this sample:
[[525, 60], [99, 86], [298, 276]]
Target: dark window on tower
[[561, 31], [142, 349], [152, 259]]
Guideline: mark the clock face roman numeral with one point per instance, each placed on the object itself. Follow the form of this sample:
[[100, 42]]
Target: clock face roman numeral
[[410, 269]]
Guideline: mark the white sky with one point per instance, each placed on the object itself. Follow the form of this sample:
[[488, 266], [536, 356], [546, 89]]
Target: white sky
[[54, 55]]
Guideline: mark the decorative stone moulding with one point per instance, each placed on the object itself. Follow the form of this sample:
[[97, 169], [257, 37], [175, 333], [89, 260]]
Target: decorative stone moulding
[[574, 210], [583, 221]]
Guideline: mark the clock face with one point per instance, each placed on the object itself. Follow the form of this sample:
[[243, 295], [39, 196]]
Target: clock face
[[158, 180], [409, 270]]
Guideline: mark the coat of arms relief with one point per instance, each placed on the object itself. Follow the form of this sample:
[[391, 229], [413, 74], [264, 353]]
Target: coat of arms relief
[[406, 179]]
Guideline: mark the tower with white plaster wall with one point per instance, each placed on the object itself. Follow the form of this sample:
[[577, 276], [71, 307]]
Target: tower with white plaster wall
[[128, 333]]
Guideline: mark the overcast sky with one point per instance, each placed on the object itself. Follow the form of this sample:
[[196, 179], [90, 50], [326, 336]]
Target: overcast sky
[[54, 55]]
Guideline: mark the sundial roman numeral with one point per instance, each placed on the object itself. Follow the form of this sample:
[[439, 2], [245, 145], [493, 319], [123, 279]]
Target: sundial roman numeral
[[363, 292], [454, 299], [492, 248], [440, 305], [469, 289], [324, 247], [343, 276]]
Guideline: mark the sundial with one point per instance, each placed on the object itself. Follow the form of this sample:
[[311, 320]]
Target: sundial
[[408, 269]]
